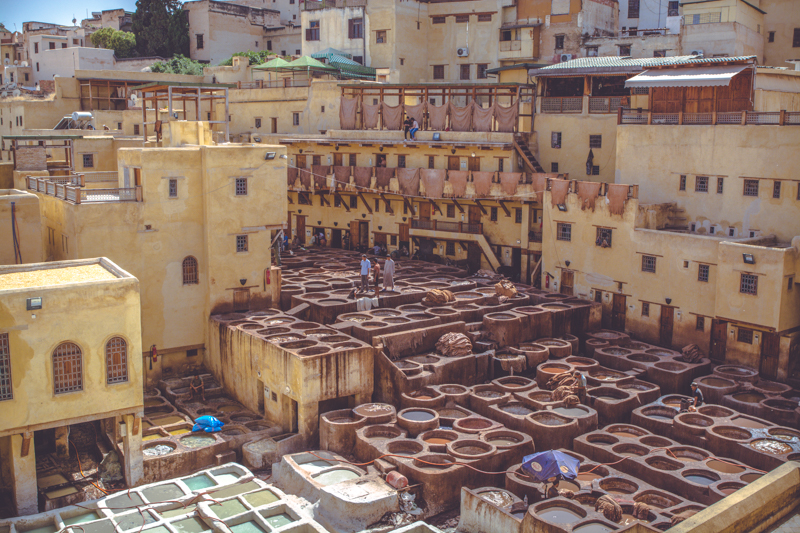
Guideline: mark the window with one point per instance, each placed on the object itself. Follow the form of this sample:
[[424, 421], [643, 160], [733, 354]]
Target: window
[[258, 123], [26, 76], [649, 263], [431, 160], [500, 164], [796, 38], [745, 335], [493, 214], [482, 67], [119, 125], [751, 188], [720, 185], [731, 232], [771, 37], [559, 42], [712, 230], [241, 186], [451, 211], [63, 45], [116, 360], [192, 352], [749, 284], [380, 36], [352, 160], [595, 170], [450, 248], [659, 53], [564, 232], [518, 215], [354, 202], [88, 160], [35, 48], [506, 35], [701, 324], [355, 28], [603, 239], [645, 309], [304, 198], [438, 72], [269, 45], [776, 189], [633, 9], [624, 50], [702, 273], [52, 46], [672, 8], [682, 185], [337, 201], [37, 68], [67, 368], [790, 285], [316, 159], [295, 119], [241, 243], [554, 167], [377, 205], [462, 18], [199, 39], [555, 139], [701, 184], [401, 161], [438, 20], [312, 32], [591, 51], [173, 188], [393, 240], [464, 72], [485, 17], [6, 392], [595, 141], [65, 244], [189, 267], [402, 61], [357, 59]]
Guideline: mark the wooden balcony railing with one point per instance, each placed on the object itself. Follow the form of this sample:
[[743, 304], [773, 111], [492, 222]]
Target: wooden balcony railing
[[450, 227], [607, 104], [773, 118], [274, 84], [562, 104], [79, 195]]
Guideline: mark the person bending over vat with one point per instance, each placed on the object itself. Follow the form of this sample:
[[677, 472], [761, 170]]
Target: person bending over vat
[[198, 388], [580, 386], [697, 395]]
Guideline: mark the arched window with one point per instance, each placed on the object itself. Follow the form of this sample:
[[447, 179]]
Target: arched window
[[116, 360], [67, 368], [190, 271]]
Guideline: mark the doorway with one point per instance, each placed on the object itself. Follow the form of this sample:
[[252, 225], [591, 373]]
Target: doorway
[[260, 385], [301, 161], [567, 282], [453, 162], [424, 211], [516, 263], [719, 340], [337, 159], [618, 307], [667, 321], [770, 349], [380, 160], [336, 238], [241, 300], [473, 257]]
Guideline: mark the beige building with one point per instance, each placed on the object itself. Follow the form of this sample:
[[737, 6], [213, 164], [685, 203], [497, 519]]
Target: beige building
[[70, 340], [21, 228], [724, 28]]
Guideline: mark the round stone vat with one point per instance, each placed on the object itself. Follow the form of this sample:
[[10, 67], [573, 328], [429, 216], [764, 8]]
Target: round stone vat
[[472, 424], [404, 447], [416, 420], [434, 461], [470, 449], [663, 463], [618, 485], [437, 439], [503, 438], [376, 413]]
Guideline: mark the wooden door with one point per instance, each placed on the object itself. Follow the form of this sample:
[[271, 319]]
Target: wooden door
[[567, 282], [770, 349], [473, 257], [475, 164], [337, 159], [618, 308], [667, 321], [301, 161], [137, 177], [474, 214], [719, 340], [425, 210], [336, 238], [403, 230], [354, 234], [301, 229], [363, 233], [516, 263], [453, 162], [241, 300]]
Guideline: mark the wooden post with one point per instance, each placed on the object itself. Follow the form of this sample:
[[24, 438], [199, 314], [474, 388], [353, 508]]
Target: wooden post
[[782, 119], [138, 193], [619, 115], [744, 118], [26, 444], [680, 117], [649, 116]]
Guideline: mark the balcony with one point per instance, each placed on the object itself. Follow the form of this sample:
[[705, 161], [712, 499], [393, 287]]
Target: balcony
[[450, 227], [562, 104], [772, 118], [63, 189], [274, 84], [607, 104]]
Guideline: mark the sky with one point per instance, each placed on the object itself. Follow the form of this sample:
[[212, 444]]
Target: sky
[[55, 11]]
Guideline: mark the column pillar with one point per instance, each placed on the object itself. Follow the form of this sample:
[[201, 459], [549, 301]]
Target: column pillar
[[23, 473], [133, 460]]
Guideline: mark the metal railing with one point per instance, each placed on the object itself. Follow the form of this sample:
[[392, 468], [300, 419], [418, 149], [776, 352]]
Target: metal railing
[[274, 84], [607, 104], [443, 225], [78, 195], [562, 104], [750, 118], [702, 18]]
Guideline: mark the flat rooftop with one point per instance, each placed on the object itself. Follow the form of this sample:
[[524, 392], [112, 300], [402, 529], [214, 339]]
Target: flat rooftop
[[44, 277]]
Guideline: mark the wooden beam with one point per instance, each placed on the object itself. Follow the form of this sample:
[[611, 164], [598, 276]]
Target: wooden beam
[[503, 205], [323, 199], [26, 444], [435, 206], [366, 204], [463, 245], [341, 200], [458, 206], [290, 199], [409, 205], [483, 210], [388, 205]]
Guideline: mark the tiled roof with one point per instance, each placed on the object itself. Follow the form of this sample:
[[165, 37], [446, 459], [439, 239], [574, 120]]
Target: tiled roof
[[629, 64]]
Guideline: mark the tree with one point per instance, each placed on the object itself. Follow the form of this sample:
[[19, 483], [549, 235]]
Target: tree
[[256, 58], [178, 65], [122, 42], [161, 28]]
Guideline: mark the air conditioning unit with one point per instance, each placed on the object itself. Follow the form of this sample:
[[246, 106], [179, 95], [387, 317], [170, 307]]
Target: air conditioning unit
[[697, 53], [462, 52], [566, 57]]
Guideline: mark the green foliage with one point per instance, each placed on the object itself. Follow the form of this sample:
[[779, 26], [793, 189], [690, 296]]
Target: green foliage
[[161, 28], [256, 58], [122, 42], [178, 65]]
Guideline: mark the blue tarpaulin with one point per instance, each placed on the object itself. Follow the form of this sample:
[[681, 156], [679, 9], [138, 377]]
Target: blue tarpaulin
[[545, 465]]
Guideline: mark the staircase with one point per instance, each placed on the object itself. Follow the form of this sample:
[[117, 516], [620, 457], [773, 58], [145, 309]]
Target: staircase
[[521, 146]]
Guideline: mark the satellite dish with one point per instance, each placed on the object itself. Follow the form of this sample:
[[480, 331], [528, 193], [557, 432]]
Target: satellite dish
[[24, 64], [7, 61], [16, 62], [4, 94], [16, 92]]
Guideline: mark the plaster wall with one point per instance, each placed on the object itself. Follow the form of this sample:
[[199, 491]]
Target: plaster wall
[[575, 130], [724, 39], [29, 227], [781, 18], [641, 46]]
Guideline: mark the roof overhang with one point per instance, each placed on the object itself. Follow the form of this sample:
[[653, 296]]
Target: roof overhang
[[686, 77], [583, 71]]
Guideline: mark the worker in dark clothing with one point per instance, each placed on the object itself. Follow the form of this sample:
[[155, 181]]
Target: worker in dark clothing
[[697, 394]]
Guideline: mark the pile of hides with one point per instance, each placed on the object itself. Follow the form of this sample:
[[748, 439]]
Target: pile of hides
[[562, 393], [610, 509], [505, 288], [641, 511], [209, 424], [692, 354], [438, 297], [564, 379], [678, 518], [454, 345], [482, 273], [572, 400]]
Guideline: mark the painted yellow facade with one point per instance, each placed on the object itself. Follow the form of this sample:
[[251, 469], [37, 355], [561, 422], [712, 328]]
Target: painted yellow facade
[[28, 227], [59, 361]]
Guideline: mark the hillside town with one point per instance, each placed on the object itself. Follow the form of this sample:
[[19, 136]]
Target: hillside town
[[422, 266]]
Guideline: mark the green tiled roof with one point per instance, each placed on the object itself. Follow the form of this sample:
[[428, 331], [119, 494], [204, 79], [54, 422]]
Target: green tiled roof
[[586, 65]]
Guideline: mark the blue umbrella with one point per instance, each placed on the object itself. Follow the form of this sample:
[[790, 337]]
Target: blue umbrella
[[545, 465]]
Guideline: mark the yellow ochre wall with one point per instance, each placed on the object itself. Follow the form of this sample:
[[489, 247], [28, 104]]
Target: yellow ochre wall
[[29, 227]]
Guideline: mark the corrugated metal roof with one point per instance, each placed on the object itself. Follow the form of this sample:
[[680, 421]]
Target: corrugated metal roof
[[622, 65], [687, 77]]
